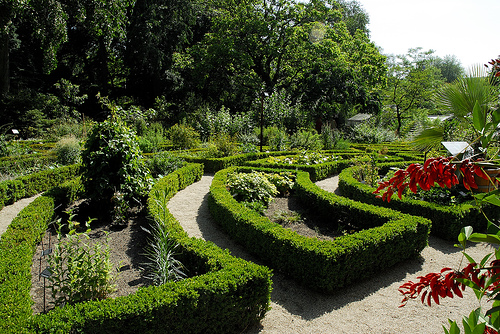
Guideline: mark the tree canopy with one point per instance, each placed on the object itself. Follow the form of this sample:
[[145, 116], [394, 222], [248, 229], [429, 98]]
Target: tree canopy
[[187, 54]]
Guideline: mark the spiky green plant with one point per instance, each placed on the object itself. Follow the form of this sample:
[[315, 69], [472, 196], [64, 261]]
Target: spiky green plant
[[162, 266]]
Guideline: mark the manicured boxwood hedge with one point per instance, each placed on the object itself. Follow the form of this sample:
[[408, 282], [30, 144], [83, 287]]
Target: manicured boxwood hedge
[[447, 221], [30, 185], [389, 237], [213, 165], [227, 294], [318, 171], [13, 164]]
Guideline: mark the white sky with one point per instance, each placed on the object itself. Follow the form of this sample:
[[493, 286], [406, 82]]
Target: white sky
[[468, 29]]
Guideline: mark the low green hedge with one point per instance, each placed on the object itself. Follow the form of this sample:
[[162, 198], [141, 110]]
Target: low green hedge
[[318, 171], [389, 237], [14, 164], [213, 165], [17, 246], [447, 221], [30, 185], [226, 296]]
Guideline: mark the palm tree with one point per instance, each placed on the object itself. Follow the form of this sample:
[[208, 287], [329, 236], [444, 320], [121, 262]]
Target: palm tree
[[473, 101]]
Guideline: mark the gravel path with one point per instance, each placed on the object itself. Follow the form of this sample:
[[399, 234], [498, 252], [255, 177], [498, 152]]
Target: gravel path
[[9, 212], [366, 307]]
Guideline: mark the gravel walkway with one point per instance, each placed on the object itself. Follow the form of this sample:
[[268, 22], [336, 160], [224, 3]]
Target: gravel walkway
[[366, 307], [9, 212]]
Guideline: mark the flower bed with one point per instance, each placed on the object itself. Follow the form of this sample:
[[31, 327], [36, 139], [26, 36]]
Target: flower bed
[[227, 295], [317, 171], [388, 236], [447, 221]]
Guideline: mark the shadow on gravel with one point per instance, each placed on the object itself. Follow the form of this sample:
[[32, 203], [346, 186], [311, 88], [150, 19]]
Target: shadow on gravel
[[299, 300]]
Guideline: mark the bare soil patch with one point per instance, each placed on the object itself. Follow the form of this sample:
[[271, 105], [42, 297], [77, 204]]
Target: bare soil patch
[[310, 224], [126, 253]]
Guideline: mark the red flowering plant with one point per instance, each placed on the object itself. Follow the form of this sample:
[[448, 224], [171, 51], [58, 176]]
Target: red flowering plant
[[483, 276]]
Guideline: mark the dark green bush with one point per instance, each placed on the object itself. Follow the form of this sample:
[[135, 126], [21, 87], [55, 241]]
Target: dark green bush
[[306, 140], [68, 150], [164, 163], [111, 163], [183, 137]]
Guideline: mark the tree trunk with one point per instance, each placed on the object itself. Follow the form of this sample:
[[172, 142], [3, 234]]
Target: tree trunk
[[398, 116]]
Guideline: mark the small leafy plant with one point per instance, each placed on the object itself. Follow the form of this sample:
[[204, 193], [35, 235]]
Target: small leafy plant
[[367, 172], [258, 186], [252, 187], [287, 217], [80, 271]]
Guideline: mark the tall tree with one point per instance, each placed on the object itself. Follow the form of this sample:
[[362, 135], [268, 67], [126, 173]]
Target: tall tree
[[411, 83], [158, 30], [46, 19], [450, 67], [96, 40], [354, 16], [273, 44]]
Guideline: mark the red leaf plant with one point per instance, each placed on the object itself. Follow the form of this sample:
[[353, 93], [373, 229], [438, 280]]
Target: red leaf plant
[[449, 283], [485, 281], [442, 171]]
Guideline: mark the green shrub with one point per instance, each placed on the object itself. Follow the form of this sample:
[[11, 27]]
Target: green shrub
[[368, 133], [221, 145], [152, 138], [367, 170], [276, 138], [68, 150], [328, 137], [164, 163], [76, 128], [183, 137], [111, 162], [280, 111], [306, 140], [252, 187]]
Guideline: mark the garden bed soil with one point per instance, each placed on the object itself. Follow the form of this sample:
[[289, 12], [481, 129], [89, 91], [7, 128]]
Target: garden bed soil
[[126, 243], [310, 225]]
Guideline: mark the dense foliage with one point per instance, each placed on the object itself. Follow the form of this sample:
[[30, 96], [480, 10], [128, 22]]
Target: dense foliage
[[112, 163], [184, 57]]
